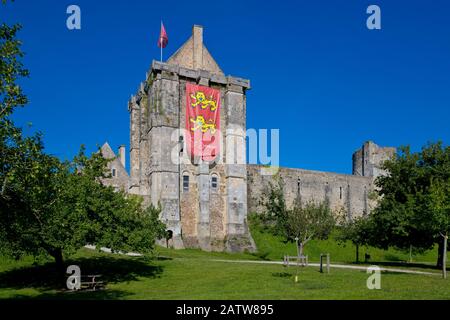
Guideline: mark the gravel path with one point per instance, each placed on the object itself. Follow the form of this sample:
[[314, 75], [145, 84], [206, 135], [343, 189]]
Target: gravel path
[[342, 266]]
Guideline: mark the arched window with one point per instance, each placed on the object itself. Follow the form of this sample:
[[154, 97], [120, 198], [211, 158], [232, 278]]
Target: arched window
[[214, 182], [113, 172]]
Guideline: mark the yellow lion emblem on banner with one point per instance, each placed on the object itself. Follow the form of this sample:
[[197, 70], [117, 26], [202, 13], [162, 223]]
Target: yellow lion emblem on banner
[[201, 124], [200, 99]]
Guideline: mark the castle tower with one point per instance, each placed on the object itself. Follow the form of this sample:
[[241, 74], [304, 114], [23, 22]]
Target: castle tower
[[204, 203], [368, 160]]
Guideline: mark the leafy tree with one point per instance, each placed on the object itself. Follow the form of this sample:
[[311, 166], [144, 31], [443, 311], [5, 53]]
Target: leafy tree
[[302, 223], [59, 207], [11, 69], [355, 231], [275, 215], [414, 203], [53, 207], [12, 142], [311, 221]]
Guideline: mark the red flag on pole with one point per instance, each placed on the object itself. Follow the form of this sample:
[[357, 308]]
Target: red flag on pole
[[163, 39]]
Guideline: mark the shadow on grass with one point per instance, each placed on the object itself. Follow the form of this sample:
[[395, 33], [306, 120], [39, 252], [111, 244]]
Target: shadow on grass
[[105, 294], [281, 274], [264, 255], [163, 258], [309, 284], [45, 278], [405, 265], [393, 258]]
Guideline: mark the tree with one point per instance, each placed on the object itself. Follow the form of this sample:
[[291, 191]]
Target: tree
[[354, 230], [59, 207], [11, 69], [311, 221], [302, 223], [12, 142], [414, 202], [438, 209], [275, 215], [53, 207]]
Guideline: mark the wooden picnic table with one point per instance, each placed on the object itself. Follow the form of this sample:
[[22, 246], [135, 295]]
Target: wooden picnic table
[[91, 282]]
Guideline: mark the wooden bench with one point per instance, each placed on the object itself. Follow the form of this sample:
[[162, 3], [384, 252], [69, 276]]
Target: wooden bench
[[92, 282], [300, 260]]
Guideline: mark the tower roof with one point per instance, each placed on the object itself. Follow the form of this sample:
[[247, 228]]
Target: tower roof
[[194, 55]]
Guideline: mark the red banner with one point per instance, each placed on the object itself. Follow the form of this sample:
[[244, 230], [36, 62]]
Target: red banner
[[203, 121]]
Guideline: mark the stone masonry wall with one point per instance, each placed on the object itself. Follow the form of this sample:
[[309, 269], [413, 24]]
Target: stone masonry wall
[[212, 228], [120, 179], [201, 216], [368, 160], [343, 192]]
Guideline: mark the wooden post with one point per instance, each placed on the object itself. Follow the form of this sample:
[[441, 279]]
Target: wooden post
[[444, 258], [321, 262], [328, 263]]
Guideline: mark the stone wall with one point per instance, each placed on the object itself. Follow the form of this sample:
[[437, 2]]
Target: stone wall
[[346, 193], [119, 178], [134, 109], [368, 160], [203, 209]]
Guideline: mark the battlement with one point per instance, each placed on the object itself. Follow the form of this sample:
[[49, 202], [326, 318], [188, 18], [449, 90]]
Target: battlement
[[159, 67]]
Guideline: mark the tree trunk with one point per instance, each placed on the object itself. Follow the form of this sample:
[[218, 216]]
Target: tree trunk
[[300, 249], [59, 263], [440, 254], [444, 258], [357, 253]]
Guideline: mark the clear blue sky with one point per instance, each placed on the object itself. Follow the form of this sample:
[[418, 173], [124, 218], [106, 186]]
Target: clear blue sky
[[317, 73]]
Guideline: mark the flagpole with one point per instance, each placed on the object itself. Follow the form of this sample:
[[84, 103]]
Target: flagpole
[[161, 41]]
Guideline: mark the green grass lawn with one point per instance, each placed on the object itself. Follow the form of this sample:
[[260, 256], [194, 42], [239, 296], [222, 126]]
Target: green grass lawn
[[192, 274], [274, 248]]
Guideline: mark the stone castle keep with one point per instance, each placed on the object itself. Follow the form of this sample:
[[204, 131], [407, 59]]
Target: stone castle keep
[[206, 205]]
